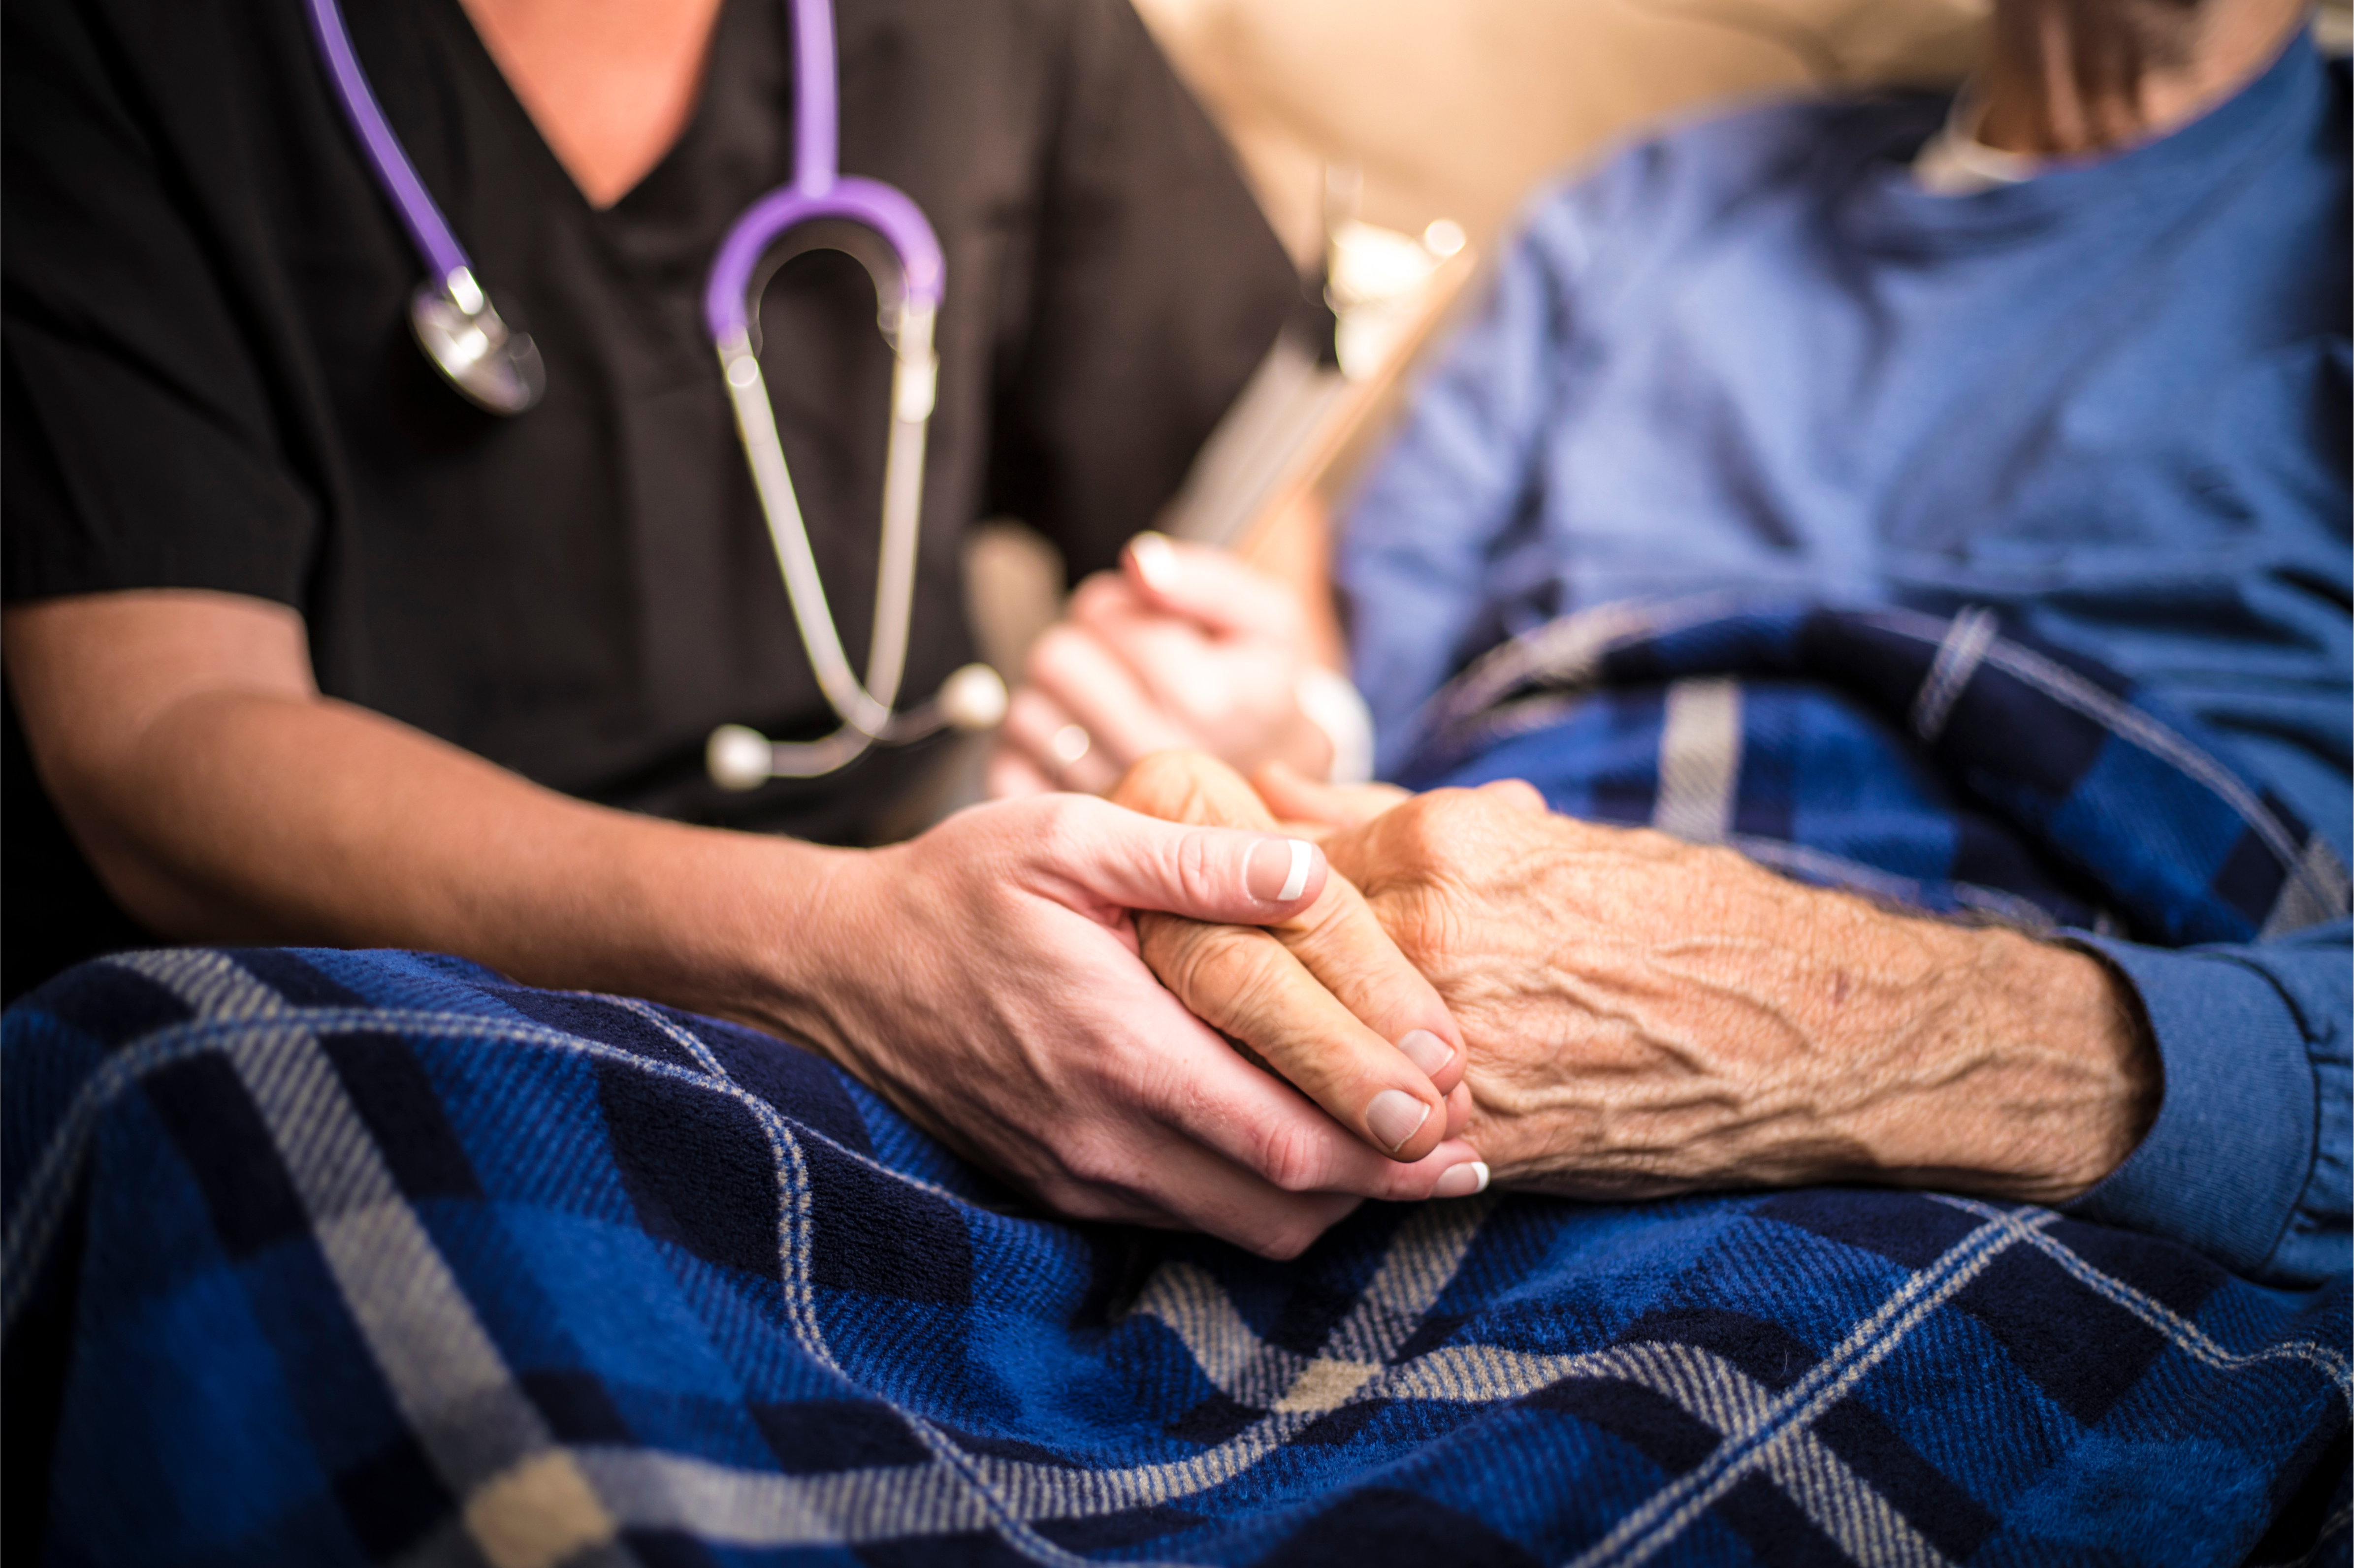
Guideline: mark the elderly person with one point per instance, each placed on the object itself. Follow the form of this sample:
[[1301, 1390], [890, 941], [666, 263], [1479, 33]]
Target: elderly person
[[2058, 372], [346, 1256]]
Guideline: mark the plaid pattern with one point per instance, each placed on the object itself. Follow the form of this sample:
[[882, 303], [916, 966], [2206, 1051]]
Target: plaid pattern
[[331, 1259], [1946, 763]]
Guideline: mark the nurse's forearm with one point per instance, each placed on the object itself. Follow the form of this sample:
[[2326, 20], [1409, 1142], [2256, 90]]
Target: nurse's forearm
[[291, 819], [220, 798], [983, 977]]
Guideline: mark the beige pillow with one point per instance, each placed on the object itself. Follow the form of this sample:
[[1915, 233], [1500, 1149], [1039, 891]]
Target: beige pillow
[[1459, 108]]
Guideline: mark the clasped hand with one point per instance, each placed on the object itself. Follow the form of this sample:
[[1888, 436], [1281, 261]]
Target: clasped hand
[[984, 978], [1465, 985], [1646, 1016]]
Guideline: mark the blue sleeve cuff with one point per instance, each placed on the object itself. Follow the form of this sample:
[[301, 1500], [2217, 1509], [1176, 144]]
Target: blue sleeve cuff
[[2224, 1165]]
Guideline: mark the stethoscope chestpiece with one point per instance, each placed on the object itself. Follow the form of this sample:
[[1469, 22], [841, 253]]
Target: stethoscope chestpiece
[[738, 757], [461, 330]]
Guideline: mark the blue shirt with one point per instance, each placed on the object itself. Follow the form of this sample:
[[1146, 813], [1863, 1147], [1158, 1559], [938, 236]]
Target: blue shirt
[[2112, 401]]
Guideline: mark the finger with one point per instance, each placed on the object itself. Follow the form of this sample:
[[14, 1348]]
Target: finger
[[1104, 597], [1192, 787], [1266, 1127], [1096, 687], [1243, 983], [1184, 1078], [1292, 797], [1187, 666], [1337, 946], [1340, 943], [1010, 776], [1056, 745], [1191, 671], [1130, 861], [1154, 1176], [1210, 586]]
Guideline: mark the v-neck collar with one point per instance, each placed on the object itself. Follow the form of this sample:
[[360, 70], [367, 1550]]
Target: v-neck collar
[[743, 41]]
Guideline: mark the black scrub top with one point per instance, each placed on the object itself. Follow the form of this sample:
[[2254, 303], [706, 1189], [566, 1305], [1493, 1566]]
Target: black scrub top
[[210, 380]]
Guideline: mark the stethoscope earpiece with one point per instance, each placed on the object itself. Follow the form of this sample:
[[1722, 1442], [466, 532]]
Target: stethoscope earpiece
[[499, 369], [973, 699], [737, 757]]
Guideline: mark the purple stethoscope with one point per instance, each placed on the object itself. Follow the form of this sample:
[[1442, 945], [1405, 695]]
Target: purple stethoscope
[[499, 369]]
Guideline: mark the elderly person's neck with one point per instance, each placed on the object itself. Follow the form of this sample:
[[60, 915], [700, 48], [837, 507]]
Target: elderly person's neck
[[2069, 78]]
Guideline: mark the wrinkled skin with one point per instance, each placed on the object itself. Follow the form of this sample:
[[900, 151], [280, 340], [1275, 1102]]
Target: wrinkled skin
[[1645, 1016], [1317, 996]]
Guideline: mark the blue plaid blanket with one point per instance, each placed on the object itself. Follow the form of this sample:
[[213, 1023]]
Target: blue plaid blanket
[[318, 1257], [1946, 763], [327, 1257]]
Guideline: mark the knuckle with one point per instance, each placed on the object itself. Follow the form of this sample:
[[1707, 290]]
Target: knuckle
[[1517, 794], [1198, 868], [1161, 784], [1097, 592], [1197, 961], [1066, 827], [1424, 826], [1291, 1157], [1095, 1166]]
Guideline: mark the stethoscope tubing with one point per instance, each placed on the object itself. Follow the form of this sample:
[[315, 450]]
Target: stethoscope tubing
[[417, 212], [908, 296]]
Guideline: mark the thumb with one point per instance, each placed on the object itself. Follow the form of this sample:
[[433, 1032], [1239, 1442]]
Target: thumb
[[1232, 875]]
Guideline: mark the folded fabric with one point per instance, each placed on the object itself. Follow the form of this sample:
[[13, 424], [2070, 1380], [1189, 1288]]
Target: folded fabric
[[1948, 760], [328, 1258], [1955, 763]]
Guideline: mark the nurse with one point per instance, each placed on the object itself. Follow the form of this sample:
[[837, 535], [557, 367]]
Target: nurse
[[303, 647]]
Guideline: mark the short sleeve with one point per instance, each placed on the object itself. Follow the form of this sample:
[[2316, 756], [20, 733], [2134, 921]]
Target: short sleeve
[[136, 419], [1159, 289]]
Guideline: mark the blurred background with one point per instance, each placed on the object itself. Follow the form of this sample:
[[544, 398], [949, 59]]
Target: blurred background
[[1391, 142], [1458, 109]]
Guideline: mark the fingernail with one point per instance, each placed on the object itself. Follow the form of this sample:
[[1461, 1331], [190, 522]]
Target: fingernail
[[1427, 1051], [1277, 869], [1463, 1181], [1156, 563], [1396, 1115]]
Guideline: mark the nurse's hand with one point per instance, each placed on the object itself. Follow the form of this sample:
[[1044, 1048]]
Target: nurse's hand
[[1184, 648], [985, 978], [1322, 996]]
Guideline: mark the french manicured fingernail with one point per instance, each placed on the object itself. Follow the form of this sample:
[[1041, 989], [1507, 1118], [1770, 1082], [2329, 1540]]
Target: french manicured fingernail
[[1279, 869], [1396, 1115], [1156, 563], [1463, 1181], [1427, 1051]]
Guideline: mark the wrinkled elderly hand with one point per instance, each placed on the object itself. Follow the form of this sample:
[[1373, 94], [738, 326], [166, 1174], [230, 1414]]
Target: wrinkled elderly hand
[[1320, 997], [1646, 1016]]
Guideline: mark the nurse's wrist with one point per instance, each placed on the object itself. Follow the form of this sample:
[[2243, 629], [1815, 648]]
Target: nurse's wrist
[[762, 941]]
